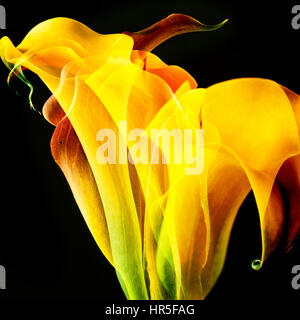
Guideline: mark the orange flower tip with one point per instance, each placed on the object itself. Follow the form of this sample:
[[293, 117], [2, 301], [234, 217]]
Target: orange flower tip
[[173, 25], [52, 111], [256, 264]]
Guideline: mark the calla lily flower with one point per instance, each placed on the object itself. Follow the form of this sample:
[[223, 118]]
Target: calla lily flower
[[164, 230]]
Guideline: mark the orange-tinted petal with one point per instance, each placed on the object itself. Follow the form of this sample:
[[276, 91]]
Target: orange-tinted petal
[[173, 75], [52, 111]]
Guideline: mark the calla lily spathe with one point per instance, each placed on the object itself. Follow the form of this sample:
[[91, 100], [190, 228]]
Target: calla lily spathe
[[165, 232]]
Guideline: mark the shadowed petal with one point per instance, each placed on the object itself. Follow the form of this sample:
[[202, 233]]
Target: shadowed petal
[[288, 180]]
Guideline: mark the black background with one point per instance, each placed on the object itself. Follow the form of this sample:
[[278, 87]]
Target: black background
[[47, 249]]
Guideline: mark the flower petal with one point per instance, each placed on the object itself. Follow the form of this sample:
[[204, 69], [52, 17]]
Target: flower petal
[[52, 44], [255, 120], [73, 35], [69, 155], [114, 186], [256, 132]]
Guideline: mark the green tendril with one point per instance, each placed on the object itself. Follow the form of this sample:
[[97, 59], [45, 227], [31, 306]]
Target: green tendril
[[17, 71], [256, 264]]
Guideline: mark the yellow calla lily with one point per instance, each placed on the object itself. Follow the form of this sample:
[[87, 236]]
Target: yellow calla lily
[[163, 225]]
